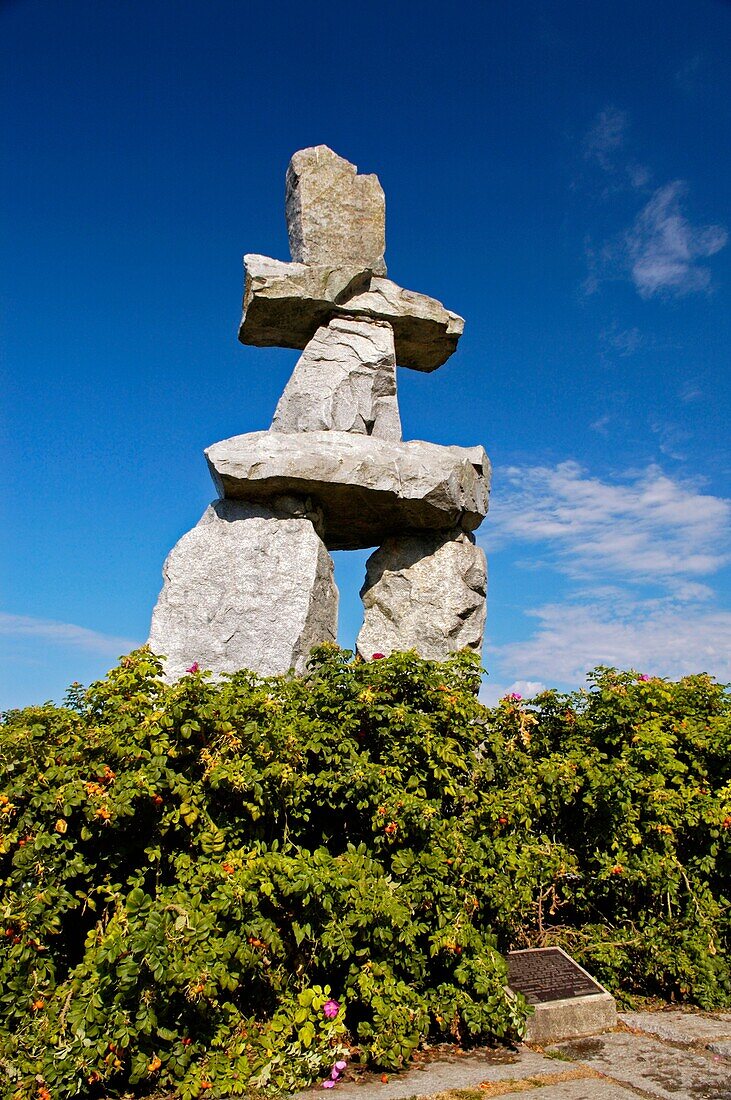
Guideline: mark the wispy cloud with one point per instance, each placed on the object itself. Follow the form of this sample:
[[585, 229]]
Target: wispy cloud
[[663, 248], [672, 440], [690, 391], [624, 341], [687, 75], [643, 527], [639, 175], [603, 147], [663, 640], [637, 551], [605, 137], [55, 633], [491, 693], [601, 424]]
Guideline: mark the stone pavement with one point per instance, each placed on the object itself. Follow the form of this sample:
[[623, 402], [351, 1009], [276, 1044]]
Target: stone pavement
[[667, 1055]]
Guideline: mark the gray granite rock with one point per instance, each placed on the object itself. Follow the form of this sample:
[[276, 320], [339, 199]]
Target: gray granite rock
[[344, 381], [584, 1088], [684, 1028], [447, 1068], [334, 215], [368, 489], [425, 332], [424, 592], [285, 303], [250, 586], [650, 1067]]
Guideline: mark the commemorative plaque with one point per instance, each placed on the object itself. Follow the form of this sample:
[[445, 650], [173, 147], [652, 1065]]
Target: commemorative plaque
[[567, 1002]]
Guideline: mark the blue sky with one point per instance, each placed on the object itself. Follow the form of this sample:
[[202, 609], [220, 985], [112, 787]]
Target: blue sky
[[558, 173]]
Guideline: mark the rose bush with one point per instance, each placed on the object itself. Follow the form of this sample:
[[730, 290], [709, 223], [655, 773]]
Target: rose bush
[[217, 888]]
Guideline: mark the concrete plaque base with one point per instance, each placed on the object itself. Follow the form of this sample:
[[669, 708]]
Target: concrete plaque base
[[567, 1001]]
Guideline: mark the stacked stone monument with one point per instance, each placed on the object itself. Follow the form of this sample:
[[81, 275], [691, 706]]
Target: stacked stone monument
[[251, 586]]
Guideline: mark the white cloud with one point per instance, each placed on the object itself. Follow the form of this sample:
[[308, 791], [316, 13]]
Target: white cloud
[[663, 248], [605, 136], [690, 391], [603, 144], [491, 694], [672, 440], [687, 75], [650, 636], [638, 175], [601, 424], [644, 527], [624, 341], [638, 549], [24, 626]]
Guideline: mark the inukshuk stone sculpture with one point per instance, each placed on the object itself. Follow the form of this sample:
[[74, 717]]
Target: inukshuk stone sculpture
[[252, 585]]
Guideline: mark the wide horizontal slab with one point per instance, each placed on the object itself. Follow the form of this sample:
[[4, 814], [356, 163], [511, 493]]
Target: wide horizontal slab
[[285, 303], [368, 489]]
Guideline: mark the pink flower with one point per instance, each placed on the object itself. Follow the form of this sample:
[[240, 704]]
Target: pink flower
[[378, 656], [514, 697], [331, 1009], [195, 667], [643, 677], [335, 1072]]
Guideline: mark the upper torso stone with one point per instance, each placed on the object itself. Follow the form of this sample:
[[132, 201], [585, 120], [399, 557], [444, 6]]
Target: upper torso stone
[[345, 380], [334, 216]]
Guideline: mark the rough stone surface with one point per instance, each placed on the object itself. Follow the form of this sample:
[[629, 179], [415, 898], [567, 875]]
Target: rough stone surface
[[425, 332], [617, 1066], [285, 304], [449, 1072], [655, 1070], [571, 1018], [344, 381], [334, 215], [722, 1048], [424, 592], [684, 1028], [585, 1088], [249, 587], [368, 489]]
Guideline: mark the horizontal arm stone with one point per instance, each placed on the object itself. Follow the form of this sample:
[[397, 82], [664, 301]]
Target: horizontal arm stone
[[285, 304]]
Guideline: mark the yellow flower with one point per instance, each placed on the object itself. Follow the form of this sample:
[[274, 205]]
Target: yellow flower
[[61, 826]]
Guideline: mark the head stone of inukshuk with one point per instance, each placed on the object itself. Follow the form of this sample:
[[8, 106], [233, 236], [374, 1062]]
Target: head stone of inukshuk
[[251, 586]]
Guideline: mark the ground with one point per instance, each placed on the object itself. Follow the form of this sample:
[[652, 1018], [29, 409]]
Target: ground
[[668, 1055]]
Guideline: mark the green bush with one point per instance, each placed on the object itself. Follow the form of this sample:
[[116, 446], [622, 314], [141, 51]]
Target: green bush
[[213, 888]]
